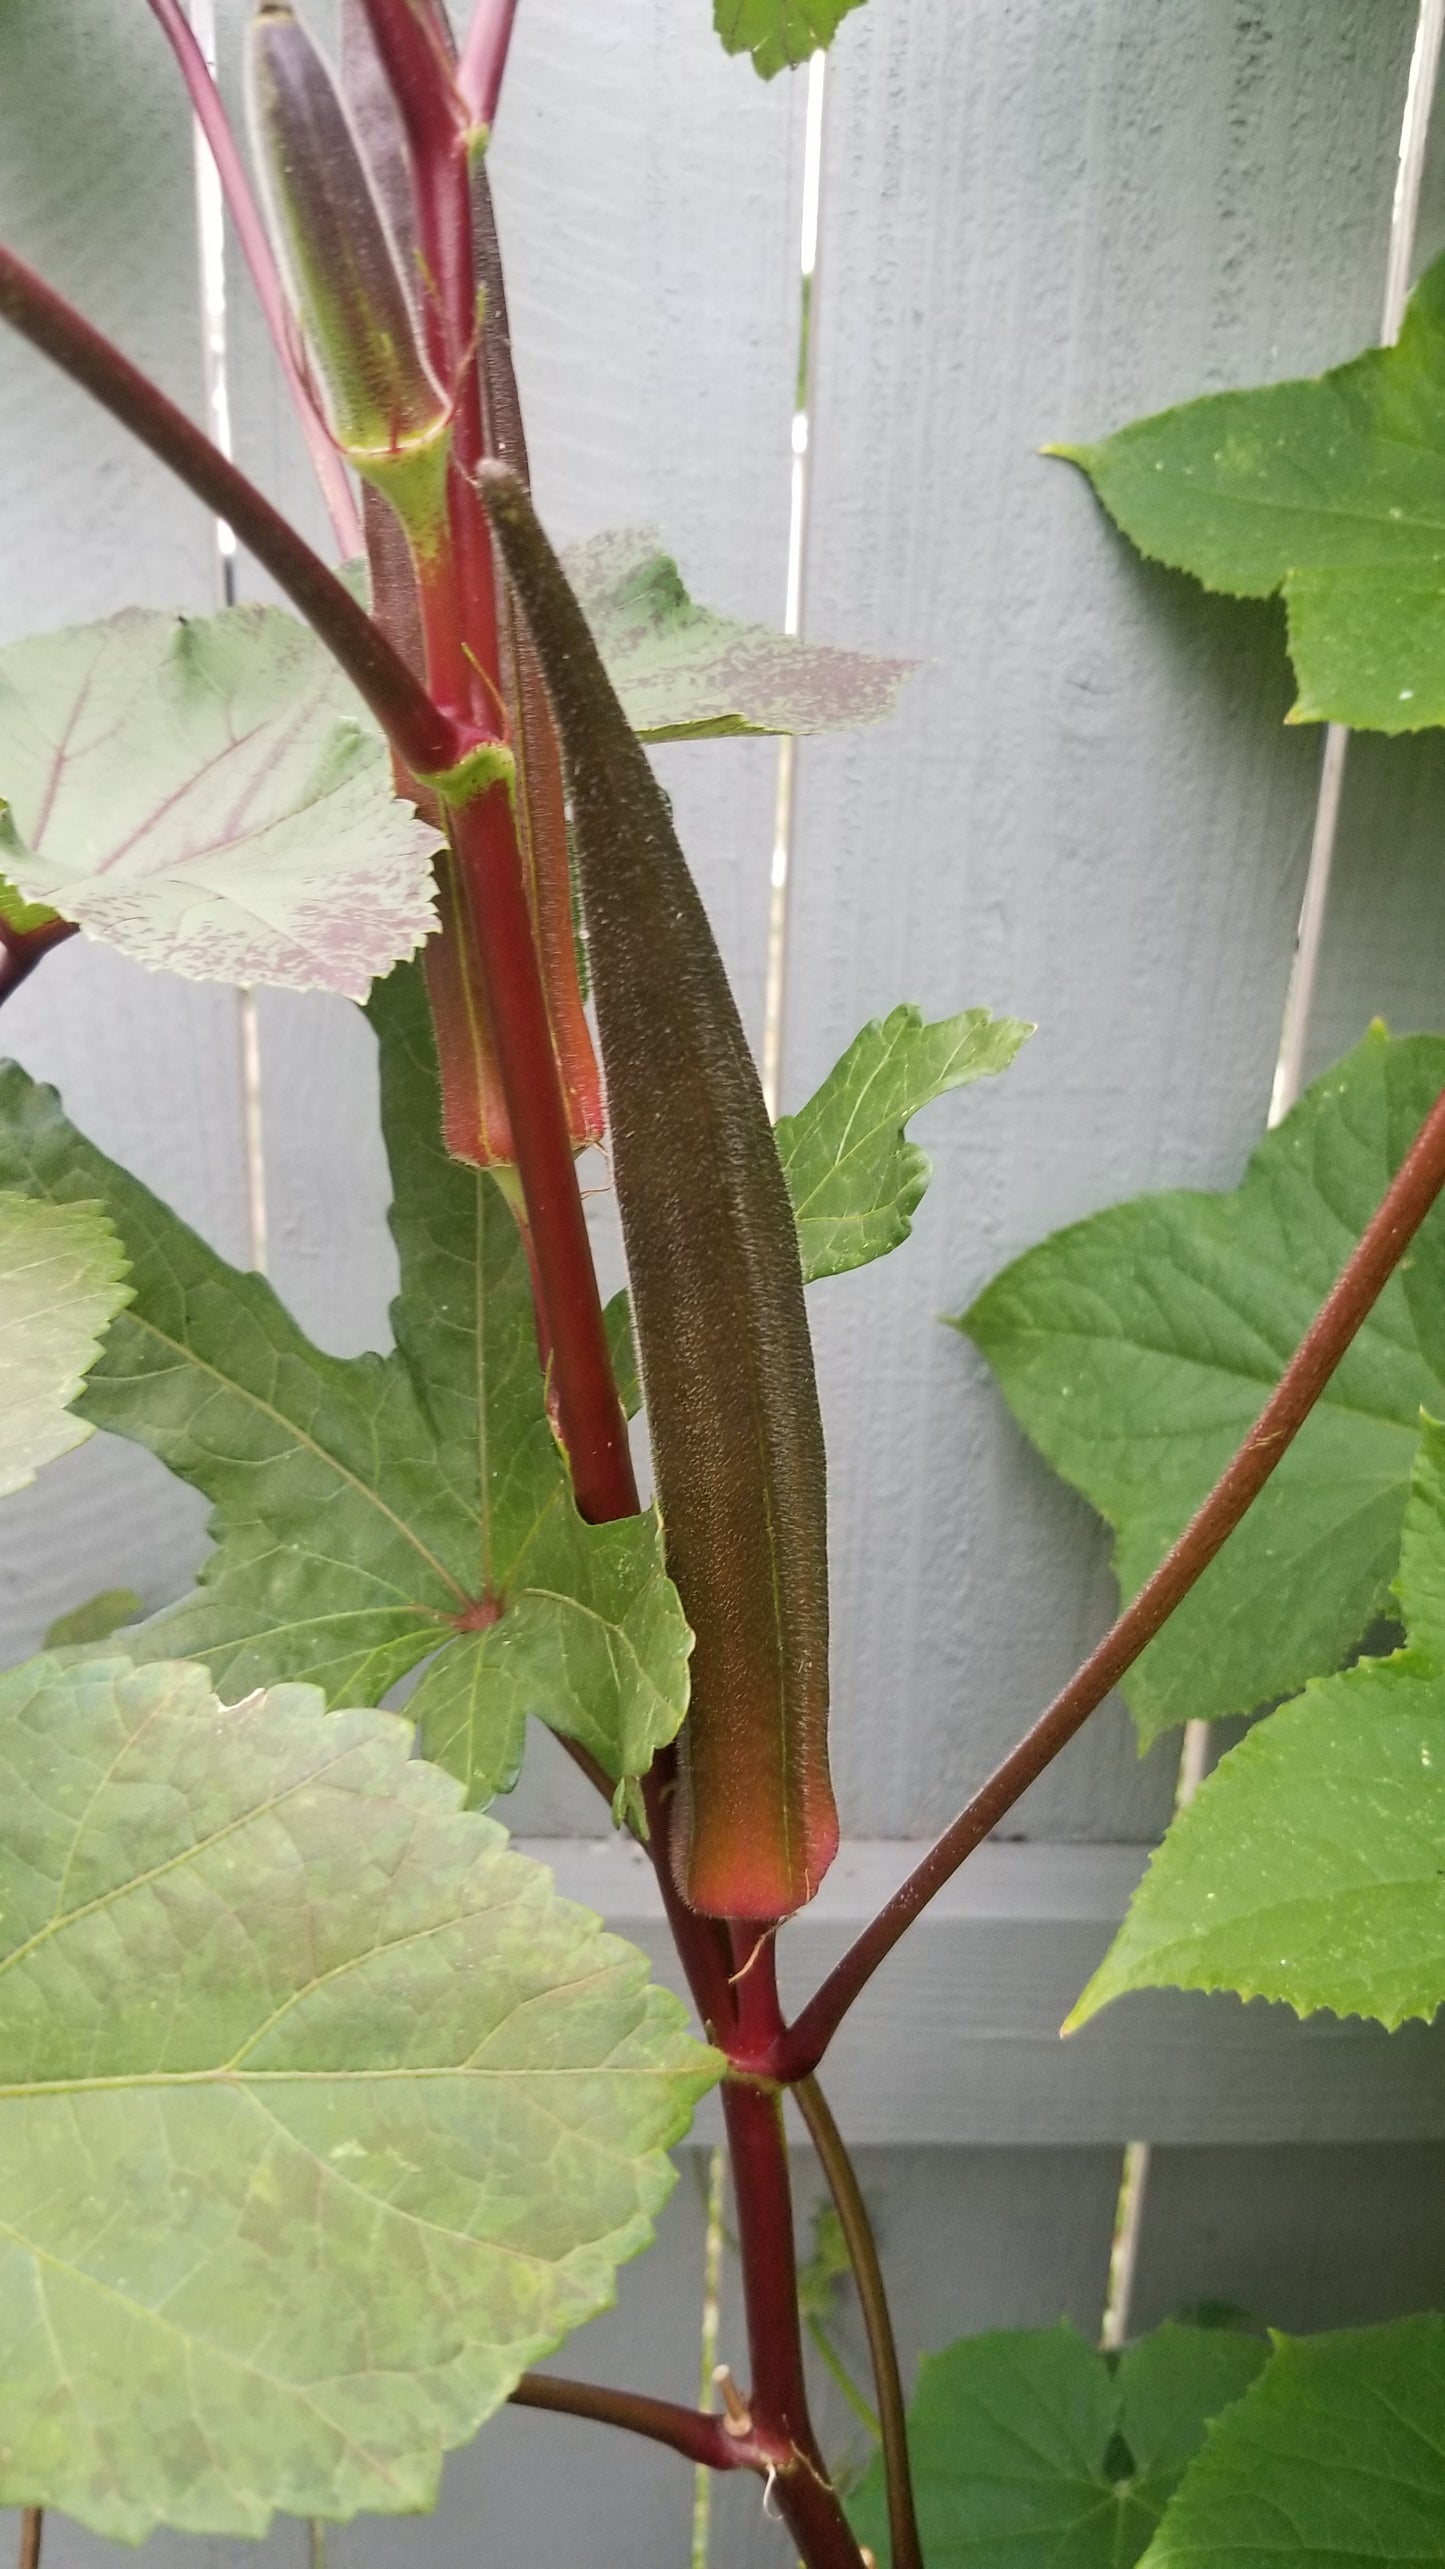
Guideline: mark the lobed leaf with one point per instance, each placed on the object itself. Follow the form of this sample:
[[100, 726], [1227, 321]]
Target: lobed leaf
[[209, 794], [1138, 1347], [62, 1281], [853, 1178], [684, 673], [1307, 1867], [321, 2117], [1330, 492], [778, 33], [373, 1511], [1035, 2451], [1333, 2459]]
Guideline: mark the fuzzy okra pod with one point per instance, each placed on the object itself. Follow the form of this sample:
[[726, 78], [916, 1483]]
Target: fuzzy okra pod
[[717, 1293]]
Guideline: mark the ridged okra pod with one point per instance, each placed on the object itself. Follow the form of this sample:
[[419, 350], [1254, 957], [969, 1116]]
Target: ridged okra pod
[[717, 1291]]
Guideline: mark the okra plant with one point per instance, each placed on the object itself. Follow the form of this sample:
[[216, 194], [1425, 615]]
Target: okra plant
[[322, 2118]]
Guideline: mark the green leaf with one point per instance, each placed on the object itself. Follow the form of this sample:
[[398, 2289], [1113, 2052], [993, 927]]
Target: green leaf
[[1334, 2459], [1137, 1348], [1308, 1866], [853, 1178], [1036, 2452], [61, 1283], [684, 673], [22, 916], [1331, 492], [778, 33], [373, 1511], [321, 2117], [96, 1620], [209, 794]]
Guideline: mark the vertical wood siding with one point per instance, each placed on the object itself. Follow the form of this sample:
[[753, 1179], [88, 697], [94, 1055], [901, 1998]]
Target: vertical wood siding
[[1040, 218]]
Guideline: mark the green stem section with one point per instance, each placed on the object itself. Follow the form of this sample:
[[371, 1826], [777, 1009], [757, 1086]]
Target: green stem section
[[852, 2211]]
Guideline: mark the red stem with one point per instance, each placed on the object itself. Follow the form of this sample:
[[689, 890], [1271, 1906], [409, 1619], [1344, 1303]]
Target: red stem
[[21, 949], [689, 2431], [779, 2397], [484, 58], [1402, 1209], [256, 250], [424, 738], [593, 1427], [435, 124]]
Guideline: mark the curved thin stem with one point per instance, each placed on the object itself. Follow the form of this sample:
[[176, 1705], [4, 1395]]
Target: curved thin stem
[[862, 2247], [426, 740], [1402, 1209], [256, 250], [689, 2431]]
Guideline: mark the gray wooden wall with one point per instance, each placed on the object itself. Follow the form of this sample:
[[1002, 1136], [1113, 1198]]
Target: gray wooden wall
[[1040, 217]]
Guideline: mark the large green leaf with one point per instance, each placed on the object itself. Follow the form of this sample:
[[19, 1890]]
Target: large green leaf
[[684, 673], [373, 1511], [61, 1282], [1308, 1867], [1033, 2451], [778, 33], [320, 2116], [854, 1180], [1332, 492], [1335, 2459], [210, 794], [1138, 1347]]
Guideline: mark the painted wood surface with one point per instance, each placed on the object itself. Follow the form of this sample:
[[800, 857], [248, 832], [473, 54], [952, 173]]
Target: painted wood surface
[[1041, 219]]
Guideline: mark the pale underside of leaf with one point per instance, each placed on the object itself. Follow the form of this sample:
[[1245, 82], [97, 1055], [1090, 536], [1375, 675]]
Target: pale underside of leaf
[[684, 673], [1138, 1347], [62, 1281], [320, 2116], [210, 795]]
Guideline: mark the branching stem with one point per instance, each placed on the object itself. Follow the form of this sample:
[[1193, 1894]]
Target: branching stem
[[425, 739], [1402, 1209], [689, 2431]]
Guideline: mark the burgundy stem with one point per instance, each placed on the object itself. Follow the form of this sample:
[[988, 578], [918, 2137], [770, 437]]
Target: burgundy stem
[[21, 949], [779, 2399], [1382, 1245], [593, 1427], [484, 58], [689, 2431], [424, 738], [256, 250]]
